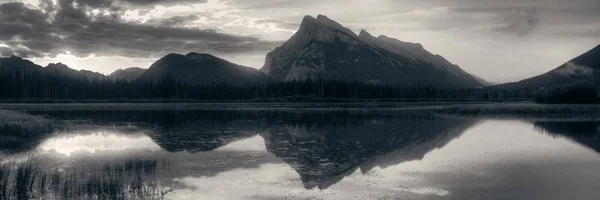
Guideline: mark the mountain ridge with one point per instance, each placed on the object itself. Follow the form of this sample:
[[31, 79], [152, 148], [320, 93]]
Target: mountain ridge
[[127, 74], [322, 48], [583, 67], [201, 69]]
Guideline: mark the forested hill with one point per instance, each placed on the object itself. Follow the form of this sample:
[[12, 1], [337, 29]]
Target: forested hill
[[24, 81], [27, 86]]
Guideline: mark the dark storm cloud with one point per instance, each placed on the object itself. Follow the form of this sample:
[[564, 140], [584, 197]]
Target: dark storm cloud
[[145, 3], [161, 2], [65, 27], [174, 21]]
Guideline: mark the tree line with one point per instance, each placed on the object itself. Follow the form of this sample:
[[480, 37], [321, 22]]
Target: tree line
[[21, 84], [577, 92]]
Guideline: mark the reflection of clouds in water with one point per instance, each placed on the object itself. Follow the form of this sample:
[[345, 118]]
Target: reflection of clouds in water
[[254, 144], [98, 142], [497, 142], [277, 181], [495, 154], [503, 141], [499, 156]]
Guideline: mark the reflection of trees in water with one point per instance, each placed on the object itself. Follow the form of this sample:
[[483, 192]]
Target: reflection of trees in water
[[323, 155], [205, 130], [133, 179], [322, 146], [586, 133]]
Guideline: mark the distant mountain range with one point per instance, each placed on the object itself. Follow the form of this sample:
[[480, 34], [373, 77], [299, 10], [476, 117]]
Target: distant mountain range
[[199, 69], [583, 67], [193, 68], [322, 48], [15, 63], [128, 74]]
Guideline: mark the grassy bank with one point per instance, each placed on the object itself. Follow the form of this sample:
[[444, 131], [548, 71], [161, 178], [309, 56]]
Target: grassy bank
[[16, 128], [134, 179]]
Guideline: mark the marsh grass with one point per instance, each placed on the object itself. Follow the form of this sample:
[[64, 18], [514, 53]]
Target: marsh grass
[[17, 129], [134, 179]]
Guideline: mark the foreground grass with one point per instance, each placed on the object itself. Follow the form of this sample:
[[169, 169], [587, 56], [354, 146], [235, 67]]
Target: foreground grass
[[135, 179], [17, 128]]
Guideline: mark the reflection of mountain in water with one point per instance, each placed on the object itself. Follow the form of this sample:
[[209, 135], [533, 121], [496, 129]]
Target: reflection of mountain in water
[[323, 154], [586, 133], [174, 130], [322, 146]]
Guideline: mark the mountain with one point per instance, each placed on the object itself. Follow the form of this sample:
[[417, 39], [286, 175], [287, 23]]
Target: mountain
[[323, 155], [127, 74], [483, 81], [583, 67], [64, 70], [201, 69], [322, 48], [15, 63]]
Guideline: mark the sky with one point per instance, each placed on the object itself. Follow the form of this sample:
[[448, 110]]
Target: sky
[[498, 40]]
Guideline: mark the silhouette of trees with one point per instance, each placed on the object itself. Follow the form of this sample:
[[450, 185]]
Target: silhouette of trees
[[19, 85], [579, 92]]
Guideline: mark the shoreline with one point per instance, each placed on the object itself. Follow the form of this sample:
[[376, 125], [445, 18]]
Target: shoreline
[[486, 109]]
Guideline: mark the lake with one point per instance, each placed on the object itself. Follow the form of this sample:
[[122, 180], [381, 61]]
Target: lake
[[296, 153]]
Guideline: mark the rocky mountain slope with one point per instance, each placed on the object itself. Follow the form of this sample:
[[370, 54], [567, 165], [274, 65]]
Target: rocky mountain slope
[[322, 48]]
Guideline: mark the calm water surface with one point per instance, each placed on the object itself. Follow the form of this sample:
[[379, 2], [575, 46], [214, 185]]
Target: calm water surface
[[292, 154]]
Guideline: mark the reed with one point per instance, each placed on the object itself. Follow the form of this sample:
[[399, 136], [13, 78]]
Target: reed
[[133, 179], [17, 128]]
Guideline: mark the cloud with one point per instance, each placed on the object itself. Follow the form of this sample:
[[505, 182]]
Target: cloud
[[140, 3], [70, 25], [20, 51], [174, 21], [160, 2], [521, 22]]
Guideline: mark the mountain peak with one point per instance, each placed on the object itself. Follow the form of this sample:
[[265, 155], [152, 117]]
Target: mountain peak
[[58, 65], [172, 55], [365, 34], [15, 57], [366, 37], [201, 69], [323, 21], [201, 56], [127, 73], [323, 48], [195, 54]]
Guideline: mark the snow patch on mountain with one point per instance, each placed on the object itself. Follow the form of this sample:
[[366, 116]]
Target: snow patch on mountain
[[571, 69]]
